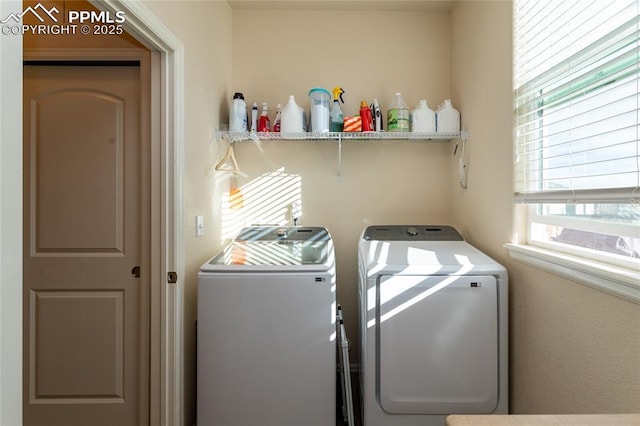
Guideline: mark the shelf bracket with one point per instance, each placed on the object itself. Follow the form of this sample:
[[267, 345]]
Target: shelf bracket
[[340, 158]]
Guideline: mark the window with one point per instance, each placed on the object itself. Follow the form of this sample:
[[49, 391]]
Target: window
[[577, 125]]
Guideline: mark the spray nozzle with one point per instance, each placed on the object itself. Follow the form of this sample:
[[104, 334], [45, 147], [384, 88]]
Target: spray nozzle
[[337, 93]]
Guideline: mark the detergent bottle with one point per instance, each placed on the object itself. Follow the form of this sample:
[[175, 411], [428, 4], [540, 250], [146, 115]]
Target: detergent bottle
[[238, 114], [264, 123], [366, 116], [336, 124], [398, 115], [376, 113], [423, 118], [276, 121], [254, 117], [292, 117], [447, 118]]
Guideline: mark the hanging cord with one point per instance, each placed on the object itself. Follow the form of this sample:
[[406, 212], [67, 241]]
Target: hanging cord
[[462, 167]]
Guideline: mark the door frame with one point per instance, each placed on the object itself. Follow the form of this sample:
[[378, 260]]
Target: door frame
[[166, 255], [10, 223], [167, 238]]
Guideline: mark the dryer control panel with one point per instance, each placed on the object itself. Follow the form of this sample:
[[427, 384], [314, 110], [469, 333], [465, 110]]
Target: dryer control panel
[[412, 233]]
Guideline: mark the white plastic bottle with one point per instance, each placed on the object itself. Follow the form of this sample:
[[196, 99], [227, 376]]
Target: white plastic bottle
[[291, 117], [276, 121], [423, 118], [238, 114], [254, 117], [447, 118], [398, 115]]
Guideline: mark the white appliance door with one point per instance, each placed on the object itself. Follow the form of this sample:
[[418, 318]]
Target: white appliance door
[[266, 349], [437, 344]]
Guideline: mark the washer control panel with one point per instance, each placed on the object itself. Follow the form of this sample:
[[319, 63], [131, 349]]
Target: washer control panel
[[412, 233]]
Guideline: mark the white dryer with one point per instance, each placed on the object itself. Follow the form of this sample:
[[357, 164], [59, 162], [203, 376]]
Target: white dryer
[[433, 327], [266, 330]]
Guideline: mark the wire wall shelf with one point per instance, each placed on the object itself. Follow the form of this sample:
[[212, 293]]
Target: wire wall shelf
[[339, 138]]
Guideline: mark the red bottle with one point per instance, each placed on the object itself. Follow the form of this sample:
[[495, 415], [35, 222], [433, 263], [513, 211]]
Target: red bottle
[[263, 122], [367, 118]]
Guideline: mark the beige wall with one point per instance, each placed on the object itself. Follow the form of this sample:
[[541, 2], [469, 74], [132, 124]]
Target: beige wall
[[369, 54], [573, 349], [205, 30]]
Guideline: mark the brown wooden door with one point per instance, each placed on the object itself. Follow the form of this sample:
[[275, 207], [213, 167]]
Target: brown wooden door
[[85, 313]]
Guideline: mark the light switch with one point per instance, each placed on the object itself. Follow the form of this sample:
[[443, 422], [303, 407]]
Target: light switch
[[199, 226]]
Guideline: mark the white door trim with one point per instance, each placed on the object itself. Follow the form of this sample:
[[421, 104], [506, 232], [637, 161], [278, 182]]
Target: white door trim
[[10, 223], [167, 248]]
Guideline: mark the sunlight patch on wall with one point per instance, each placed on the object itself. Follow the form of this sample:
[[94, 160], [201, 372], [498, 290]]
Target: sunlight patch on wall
[[273, 198]]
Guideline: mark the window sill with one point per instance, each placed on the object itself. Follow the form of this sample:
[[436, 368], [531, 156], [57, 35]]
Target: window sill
[[612, 279]]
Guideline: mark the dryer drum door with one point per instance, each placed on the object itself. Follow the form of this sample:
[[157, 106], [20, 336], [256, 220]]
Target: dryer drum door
[[437, 344]]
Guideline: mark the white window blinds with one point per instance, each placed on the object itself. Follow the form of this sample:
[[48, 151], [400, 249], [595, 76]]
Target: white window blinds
[[576, 101]]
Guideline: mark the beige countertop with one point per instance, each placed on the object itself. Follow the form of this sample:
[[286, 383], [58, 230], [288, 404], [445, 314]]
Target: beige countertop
[[544, 420]]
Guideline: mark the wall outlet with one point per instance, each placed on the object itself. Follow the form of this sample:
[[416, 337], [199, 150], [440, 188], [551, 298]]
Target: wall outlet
[[199, 226]]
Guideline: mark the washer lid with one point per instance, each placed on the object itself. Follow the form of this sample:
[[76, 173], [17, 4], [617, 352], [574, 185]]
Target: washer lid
[[424, 258], [275, 249]]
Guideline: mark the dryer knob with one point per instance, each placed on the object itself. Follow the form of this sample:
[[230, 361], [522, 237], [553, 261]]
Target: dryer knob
[[413, 231]]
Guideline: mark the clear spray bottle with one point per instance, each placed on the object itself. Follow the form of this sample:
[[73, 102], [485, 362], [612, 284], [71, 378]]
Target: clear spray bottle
[[336, 123]]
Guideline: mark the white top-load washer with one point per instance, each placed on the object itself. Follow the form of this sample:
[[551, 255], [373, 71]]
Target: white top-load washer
[[266, 330], [433, 327]]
